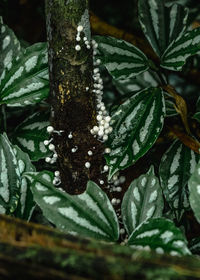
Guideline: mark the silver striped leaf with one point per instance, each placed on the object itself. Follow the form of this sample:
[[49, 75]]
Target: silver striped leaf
[[194, 246], [194, 192], [161, 25], [89, 214], [142, 81], [26, 204], [26, 82], [142, 201], [122, 59], [179, 50], [9, 177], [10, 49], [136, 124], [176, 167], [160, 235], [30, 135]]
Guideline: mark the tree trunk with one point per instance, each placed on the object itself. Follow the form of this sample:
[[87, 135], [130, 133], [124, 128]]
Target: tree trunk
[[32, 251], [72, 99]]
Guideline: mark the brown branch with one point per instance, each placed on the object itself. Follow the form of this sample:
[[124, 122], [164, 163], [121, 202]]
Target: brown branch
[[181, 106], [31, 251]]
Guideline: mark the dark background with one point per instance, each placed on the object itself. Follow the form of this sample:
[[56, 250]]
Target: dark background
[[27, 17]]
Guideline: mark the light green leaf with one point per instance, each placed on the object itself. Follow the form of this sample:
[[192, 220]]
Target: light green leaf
[[143, 200], [136, 126], [10, 49], [30, 135], [26, 82], [194, 192], [89, 214], [160, 235], [26, 204], [9, 177], [178, 51], [161, 25], [176, 167], [122, 59]]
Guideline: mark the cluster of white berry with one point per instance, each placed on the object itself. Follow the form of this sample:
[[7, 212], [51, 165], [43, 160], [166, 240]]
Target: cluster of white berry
[[50, 130], [103, 129], [114, 186]]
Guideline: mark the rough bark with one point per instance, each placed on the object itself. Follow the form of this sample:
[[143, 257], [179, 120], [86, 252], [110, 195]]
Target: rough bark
[[73, 107], [32, 251]]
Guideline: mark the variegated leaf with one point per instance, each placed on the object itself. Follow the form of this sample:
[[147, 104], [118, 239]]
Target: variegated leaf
[[89, 214], [30, 135], [10, 49], [122, 59], [179, 50], [176, 167], [142, 81], [160, 235], [194, 192], [194, 246], [142, 201], [26, 204], [161, 25], [9, 177], [136, 126], [26, 82]]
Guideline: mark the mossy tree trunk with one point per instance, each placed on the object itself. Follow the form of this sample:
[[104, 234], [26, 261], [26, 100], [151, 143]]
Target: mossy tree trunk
[[73, 104], [32, 251]]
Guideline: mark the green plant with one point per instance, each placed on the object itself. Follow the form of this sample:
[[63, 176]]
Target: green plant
[[147, 97]]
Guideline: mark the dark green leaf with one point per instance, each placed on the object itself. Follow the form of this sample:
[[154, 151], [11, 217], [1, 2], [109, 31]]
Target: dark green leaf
[[194, 192], [26, 204], [30, 135], [160, 235], [142, 201], [9, 49], [176, 167], [122, 59], [26, 82], [161, 25], [9, 177], [179, 50], [89, 214], [136, 126]]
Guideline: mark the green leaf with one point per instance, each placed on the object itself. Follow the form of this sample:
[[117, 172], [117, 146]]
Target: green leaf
[[194, 192], [26, 82], [136, 126], [161, 25], [160, 235], [142, 81], [89, 214], [194, 246], [9, 48], [30, 135], [26, 204], [178, 51], [122, 59], [176, 167], [9, 177], [142, 201]]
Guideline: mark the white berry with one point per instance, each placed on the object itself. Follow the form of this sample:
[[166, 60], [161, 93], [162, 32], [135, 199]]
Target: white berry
[[80, 28], [77, 48], [50, 129], [57, 173], [90, 153], [87, 164], [51, 147]]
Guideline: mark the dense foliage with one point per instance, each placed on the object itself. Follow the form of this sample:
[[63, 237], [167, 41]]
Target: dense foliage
[[144, 95]]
